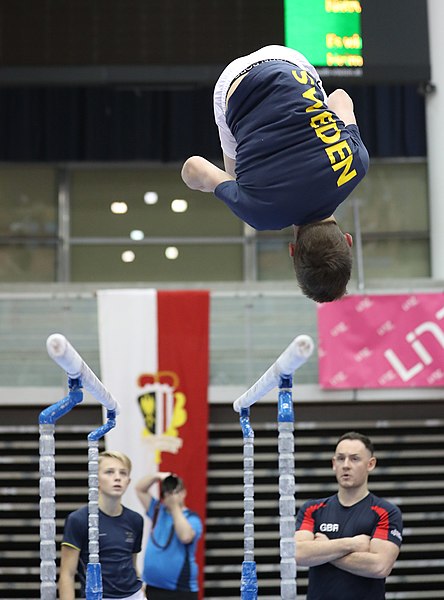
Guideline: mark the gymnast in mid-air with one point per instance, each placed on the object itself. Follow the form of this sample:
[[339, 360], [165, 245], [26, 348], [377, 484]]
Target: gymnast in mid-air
[[292, 155]]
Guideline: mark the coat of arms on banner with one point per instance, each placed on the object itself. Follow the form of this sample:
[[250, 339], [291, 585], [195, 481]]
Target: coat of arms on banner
[[163, 410]]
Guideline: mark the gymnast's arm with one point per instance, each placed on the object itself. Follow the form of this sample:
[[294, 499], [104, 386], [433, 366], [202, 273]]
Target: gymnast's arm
[[69, 560], [317, 549], [200, 174], [376, 563]]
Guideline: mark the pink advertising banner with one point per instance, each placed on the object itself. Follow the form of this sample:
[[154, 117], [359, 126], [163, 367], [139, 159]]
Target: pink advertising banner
[[389, 341]]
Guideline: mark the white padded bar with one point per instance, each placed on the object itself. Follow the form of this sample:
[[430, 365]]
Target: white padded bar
[[294, 356], [61, 351]]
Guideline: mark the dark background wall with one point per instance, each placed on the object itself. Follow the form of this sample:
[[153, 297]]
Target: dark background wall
[[104, 123], [99, 80]]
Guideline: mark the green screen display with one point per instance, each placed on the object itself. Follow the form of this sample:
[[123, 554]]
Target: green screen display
[[327, 32]]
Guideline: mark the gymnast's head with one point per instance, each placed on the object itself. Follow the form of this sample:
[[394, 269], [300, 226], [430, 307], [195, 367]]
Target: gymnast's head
[[322, 259]]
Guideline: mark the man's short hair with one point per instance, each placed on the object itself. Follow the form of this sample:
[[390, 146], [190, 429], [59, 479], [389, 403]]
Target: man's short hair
[[354, 435], [124, 459], [322, 261]]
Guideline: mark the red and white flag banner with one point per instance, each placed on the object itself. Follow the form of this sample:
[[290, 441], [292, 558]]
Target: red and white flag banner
[[387, 341], [154, 357]]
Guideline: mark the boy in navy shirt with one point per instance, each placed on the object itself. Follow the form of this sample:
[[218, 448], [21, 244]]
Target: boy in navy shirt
[[120, 537], [291, 156]]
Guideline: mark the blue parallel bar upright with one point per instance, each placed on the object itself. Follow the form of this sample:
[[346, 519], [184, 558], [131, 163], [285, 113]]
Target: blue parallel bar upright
[[249, 588], [279, 374], [47, 420], [93, 587], [287, 488], [79, 376]]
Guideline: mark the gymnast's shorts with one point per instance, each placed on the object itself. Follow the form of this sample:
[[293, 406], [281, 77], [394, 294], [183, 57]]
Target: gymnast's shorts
[[243, 65]]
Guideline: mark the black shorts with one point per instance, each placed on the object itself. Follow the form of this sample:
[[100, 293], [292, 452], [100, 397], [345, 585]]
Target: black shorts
[[153, 593]]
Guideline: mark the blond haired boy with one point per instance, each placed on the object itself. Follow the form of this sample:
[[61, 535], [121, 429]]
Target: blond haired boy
[[120, 537]]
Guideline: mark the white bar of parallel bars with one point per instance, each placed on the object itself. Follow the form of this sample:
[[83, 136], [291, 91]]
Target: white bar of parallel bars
[[293, 357], [62, 353]]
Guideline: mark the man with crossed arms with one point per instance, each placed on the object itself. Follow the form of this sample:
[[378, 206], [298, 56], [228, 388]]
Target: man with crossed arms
[[350, 540]]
